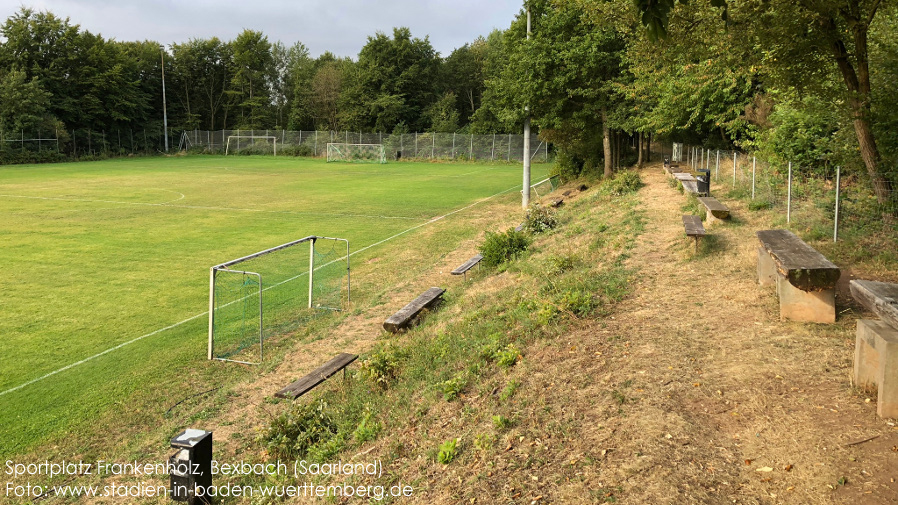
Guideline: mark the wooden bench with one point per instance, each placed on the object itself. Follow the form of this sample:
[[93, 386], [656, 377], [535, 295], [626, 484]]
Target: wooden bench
[[688, 181], [805, 280], [406, 314], [467, 265], [317, 376], [694, 228], [876, 343], [716, 211], [555, 202]]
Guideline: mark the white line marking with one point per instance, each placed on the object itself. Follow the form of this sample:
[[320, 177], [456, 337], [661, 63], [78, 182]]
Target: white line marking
[[206, 313]]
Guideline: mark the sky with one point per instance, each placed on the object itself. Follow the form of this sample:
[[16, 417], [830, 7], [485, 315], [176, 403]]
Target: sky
[[339, 26]]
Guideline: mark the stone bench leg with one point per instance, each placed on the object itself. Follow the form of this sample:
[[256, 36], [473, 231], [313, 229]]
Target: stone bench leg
[[767, 273], [876, 363], [810, 306]]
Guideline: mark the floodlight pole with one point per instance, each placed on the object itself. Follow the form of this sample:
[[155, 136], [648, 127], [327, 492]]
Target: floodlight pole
[[164, 110], [525, 201]]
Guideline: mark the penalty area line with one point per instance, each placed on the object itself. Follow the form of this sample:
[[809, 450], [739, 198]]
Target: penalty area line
[[206, 313]]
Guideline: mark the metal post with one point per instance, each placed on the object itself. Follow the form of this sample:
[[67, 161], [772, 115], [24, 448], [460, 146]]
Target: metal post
[[789, 198], [525, 200], [433, 144], [838, 191], [311, 267], [717, 166], [316, 141], [493, 150], [453, 146], [754, 161], [734, 169], [416, 145], [348, 277], [509, 147], [164, 110], [471, 150], [211, 308]]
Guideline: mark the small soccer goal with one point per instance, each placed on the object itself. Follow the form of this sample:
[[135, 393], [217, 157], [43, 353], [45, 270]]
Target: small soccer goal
[[544, 187], [252, 144], [359, 153], [274, 292]]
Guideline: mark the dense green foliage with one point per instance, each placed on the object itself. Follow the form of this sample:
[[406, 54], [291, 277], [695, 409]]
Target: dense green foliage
[[501, 247]]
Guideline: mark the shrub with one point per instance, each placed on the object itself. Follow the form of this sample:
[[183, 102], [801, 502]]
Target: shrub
[[540, 219], [448, 451], [500, 247], [382, 366], [295, 432], [621, 184], [452, 387], [508, 356]]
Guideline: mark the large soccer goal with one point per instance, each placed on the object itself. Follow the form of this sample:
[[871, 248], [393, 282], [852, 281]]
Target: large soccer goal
[[361, 153], [274, 292], [255, 144]]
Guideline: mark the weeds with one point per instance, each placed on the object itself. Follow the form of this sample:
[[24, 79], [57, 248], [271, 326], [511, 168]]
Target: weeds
[[448, 451], [501, 247]]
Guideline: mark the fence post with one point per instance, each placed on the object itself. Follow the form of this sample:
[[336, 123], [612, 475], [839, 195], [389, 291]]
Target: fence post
[[493, 150], [509, 147], [471, 151], [838, 190], [453, 146], [734, 169], [433, 144], [789, 197], [754, 161], [416, 145], [717, 166]]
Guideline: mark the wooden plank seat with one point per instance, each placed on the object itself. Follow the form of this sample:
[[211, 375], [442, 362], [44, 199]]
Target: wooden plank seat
[[876, 343], [694, 228], [805, 280], [317, 376], [688, 181], [556, 202], [467, 265], [406, 314], [715, 210]]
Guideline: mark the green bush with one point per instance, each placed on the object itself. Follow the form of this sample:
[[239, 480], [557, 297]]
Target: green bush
[[622, 183], [500, 247], [452, 387], [295, 432], [540, 219], [448, 451], [382, 366]]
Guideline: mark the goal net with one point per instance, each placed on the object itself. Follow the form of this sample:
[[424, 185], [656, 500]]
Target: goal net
[[252, 144], [544, 187], [360, 153], [272, 293]]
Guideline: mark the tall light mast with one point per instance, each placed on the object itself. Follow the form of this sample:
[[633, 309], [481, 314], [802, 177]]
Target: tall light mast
[[525, 200]]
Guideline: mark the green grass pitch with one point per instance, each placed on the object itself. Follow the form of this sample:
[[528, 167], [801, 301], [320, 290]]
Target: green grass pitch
[[97, 254]]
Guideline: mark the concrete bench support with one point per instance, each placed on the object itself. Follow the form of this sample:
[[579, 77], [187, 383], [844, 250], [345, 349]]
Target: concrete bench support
[[876, 363], [805, 280]]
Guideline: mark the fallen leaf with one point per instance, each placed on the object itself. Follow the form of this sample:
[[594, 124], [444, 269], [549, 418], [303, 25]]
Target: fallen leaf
[[787, 468], [748, 461]]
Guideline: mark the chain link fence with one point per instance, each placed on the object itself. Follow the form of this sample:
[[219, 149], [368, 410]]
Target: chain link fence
[[822, 200], [420, 146]]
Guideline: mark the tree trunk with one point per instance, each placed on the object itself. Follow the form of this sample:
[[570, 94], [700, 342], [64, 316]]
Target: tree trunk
[[641, 143], [606, 143], [858, 85]]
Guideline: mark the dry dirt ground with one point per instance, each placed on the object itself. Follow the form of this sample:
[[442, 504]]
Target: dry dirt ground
[[725, 402]]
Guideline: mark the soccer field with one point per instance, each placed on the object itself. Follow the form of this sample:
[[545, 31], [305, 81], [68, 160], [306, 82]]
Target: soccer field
[[102, 254]]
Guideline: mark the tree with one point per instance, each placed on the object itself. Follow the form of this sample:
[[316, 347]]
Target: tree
[[835, 33], [23, 104], [324, 97], [250, 86]]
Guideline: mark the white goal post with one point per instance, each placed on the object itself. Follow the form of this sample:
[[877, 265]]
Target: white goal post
[[264, 295], [360, 153], [253, 139]]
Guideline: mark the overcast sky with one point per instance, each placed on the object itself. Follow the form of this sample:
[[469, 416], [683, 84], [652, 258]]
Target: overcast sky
[[339, 26]]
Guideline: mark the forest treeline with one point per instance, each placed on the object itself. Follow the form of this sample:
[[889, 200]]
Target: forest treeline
[[809, 83]]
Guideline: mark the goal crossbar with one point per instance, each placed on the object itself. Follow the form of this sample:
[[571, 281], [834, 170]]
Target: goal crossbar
[[274, 141], [227, 267]]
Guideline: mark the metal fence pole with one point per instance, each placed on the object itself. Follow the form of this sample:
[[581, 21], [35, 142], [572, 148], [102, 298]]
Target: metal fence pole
[[789, 197], [838, 191], [734, 169], [717, 166], [493, 150], [754, 160], [471, 151], [433, 144]]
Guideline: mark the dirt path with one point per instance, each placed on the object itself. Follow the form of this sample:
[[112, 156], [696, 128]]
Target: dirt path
[[720, 401]]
